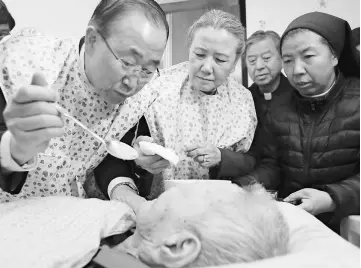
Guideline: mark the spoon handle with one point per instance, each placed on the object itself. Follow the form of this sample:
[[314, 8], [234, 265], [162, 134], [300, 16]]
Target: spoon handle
[[65, 113]]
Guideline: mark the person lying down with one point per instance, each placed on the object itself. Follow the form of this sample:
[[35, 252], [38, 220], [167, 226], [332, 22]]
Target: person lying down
[[191, 226], [208, 225]]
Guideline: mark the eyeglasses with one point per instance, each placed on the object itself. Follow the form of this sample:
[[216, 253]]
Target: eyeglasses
[[133, 68]]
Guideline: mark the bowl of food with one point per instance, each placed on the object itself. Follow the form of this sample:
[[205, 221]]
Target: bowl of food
[[175, 183]]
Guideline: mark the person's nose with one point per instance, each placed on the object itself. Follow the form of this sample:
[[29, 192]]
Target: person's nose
[[260, 64], [130, 83], [298, 68], [207, 65]]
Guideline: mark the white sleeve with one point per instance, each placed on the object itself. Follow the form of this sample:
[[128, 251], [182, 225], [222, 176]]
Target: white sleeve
[[7, 162], [119, 180]]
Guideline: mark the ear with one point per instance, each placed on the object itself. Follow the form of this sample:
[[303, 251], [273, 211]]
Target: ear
[[334, 61], [91, 37], [179, 250]]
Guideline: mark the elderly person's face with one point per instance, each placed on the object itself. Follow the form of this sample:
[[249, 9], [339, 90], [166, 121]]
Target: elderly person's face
[[263, 61], [121, 64], [205, 225], [212, 57], [308, 63]]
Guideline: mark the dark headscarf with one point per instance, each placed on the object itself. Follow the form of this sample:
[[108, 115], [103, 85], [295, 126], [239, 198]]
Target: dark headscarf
[[5, 16], [338, 34], [356, 36]]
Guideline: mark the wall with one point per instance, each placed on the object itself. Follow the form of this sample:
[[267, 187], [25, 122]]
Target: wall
[[63, 18], [277, 14]]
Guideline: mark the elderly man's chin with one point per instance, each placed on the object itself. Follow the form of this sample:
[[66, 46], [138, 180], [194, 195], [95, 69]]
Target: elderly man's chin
[[113, 97]]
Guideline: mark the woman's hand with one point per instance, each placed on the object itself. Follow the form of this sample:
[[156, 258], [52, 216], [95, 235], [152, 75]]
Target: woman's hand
[[312, 200], [206, 155], [151, 163]]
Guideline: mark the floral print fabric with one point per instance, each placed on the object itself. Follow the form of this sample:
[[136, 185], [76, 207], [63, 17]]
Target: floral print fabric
[[183, 116], [65, 168]]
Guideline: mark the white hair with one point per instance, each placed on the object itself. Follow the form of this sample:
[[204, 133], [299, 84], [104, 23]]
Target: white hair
[[241, 225], [219, 19]]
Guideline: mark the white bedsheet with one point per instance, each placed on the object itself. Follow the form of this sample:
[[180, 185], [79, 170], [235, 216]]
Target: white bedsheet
[[56, 232]]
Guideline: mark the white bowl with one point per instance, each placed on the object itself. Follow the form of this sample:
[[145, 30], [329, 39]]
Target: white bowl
[[174, 183]]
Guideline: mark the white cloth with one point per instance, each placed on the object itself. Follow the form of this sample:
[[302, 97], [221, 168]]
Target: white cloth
[[58, 232], [119, 180]]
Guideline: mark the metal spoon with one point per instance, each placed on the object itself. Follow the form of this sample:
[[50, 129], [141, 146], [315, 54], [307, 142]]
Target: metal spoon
[[117, 149]]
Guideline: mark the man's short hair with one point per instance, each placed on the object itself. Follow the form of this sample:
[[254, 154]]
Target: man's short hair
[[109, 10], [262, 35], [5, 16]]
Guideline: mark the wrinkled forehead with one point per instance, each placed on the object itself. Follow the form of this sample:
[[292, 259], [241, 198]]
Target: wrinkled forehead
[[187, 201], [219, 40], [195, 198], [261, 46], [138, 32], [300, 39]]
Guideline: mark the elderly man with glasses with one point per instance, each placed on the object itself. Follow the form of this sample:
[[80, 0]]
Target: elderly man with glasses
[[99, 81]]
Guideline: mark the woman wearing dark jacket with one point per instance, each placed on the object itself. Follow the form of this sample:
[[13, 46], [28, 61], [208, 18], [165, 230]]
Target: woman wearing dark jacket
[[314, 158]]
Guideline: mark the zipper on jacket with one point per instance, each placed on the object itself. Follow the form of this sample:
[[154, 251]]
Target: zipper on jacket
[[308, 148]]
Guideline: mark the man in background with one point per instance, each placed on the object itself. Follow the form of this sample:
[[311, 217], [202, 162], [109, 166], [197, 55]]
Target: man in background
[[270, 87]]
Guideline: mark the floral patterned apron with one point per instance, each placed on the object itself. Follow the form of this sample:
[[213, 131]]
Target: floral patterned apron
[[66, 167], [182, 116]]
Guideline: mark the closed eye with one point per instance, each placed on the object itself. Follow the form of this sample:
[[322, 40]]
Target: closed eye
[[251, 61], [221, 61], [146, 71], [199, 55], [127, 64]]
